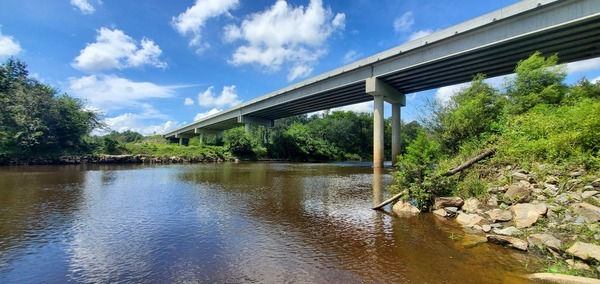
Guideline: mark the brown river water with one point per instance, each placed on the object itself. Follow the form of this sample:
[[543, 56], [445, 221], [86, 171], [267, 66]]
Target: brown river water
[[229, 223]]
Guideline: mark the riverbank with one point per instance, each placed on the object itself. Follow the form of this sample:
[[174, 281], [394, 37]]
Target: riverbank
[[117, 159], [551, 212]]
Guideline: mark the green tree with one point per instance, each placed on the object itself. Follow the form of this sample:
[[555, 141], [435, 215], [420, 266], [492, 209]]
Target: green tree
[[472, 113], [34, 121], [238, 142], [538, 80]]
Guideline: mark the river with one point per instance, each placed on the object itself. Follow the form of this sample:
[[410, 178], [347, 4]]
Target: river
[[228, 223]]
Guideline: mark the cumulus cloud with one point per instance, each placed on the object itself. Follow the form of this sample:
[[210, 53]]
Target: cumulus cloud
[[444, 94], [114, 49], [419, 34], [351, 56], [285, 35], [206, 114], [8, 46], [110, 92], [404, 23], [85, 6], [138, 123], [193, 20], [360, 107], [227, 97], [595, 80], [188, 102]]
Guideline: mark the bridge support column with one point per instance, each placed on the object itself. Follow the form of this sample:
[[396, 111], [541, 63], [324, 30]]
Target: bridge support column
[[378, 131], [396, 143], [247, 127], [380, 92]]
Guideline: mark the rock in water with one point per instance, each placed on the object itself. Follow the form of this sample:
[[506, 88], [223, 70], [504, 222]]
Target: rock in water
[[561, 279], [508, 241], [441, 202], [440, 212], [527, 214], [402, 208]]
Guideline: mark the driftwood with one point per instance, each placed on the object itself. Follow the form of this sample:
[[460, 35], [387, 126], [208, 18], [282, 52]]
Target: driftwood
[[469, 163], [453, 171], [388, 201]]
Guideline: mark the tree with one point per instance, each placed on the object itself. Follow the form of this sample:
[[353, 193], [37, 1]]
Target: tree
[[472, 113], [538, 80], [34, 121], [237, 141]]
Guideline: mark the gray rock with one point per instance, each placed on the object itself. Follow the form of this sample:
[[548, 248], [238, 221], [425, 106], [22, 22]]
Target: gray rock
[[440, 212], [403, 209], [471, 205], [577, 173], [585, 251], [470, 220], [574, 196], [590, 212], [496, 225], [550, 189], [507, 231], [551, 180], [441, 202], [588, 194], [562, 199], [493, 201], [499, 215], [527, 214], [544, 240], [588, 187], [508, 241], [561, 279], [519, 176], [517, 193], [451, 210], [596, 183]]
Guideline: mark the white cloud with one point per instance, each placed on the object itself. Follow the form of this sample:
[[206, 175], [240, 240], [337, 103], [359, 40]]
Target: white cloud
[[285, 35], [404, 23], [584, 65], [360, 107], [85, 6], [595, 80], [111, 92], [351, 56], [419, 34], [444, 94], [137, 122], [192, 21], [206, 114], [8, 46], [227, 97], [188, 102], [114, 49]]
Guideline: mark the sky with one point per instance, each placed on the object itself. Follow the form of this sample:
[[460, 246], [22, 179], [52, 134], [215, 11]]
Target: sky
[[152, 66]]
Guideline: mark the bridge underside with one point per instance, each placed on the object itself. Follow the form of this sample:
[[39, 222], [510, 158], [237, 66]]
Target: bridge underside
[[492, 44]]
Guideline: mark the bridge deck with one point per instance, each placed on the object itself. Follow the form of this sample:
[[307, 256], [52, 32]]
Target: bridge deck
[[491, 44]]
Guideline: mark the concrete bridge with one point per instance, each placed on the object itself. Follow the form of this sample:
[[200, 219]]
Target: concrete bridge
[[491, 44]]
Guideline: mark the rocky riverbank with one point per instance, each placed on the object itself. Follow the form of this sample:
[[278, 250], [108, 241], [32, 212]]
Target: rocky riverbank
[[552, 212], [117, 159]]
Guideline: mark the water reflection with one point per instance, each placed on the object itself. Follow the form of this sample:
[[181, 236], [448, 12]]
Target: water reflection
[[232, 222]]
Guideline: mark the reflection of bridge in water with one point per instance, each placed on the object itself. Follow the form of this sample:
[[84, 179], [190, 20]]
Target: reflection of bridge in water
[[491, 44]]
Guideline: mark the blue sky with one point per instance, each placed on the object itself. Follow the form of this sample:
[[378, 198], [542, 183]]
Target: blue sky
[[152, 66]]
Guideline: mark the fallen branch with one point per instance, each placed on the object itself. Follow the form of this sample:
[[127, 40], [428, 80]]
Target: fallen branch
[[390, 200], [469, 163]]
